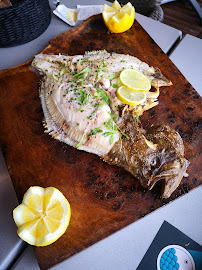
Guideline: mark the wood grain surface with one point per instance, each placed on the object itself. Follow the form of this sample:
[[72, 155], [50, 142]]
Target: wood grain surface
[[103, 198]]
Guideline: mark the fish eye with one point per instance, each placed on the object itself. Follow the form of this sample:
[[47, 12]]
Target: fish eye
[[186, 261], [153, 161]]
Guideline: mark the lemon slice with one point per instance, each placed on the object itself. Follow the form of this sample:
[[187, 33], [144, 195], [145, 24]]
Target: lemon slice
[[43, 216], [135, 80], [118, 19], [130, 97]]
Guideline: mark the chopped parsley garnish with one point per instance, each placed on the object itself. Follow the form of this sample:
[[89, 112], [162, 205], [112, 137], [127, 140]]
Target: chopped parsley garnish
[[63, 71], [137, 118], [111, 140], [124, 134], [81, 141], [95, 131], [83, 60], [84, 97], [55, 77], [85, 70], [106, 134], [98, 72], [80, 75], [60, 64], [79, 144], [115, 85], [112, 77], [103, 62], [92, 114], [113, 116], [103, 95], [110, 125]]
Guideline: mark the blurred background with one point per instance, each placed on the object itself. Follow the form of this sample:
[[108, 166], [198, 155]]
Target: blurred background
[[185, 15]]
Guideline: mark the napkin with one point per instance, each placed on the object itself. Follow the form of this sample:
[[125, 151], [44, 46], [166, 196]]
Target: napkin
[[82, 12]]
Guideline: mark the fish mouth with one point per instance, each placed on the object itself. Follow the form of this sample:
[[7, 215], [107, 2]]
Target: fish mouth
[[171, 174]]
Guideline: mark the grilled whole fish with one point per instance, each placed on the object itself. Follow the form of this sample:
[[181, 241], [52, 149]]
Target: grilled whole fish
[[78, 96]]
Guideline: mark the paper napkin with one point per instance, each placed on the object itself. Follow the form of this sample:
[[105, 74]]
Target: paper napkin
[[71, 16]]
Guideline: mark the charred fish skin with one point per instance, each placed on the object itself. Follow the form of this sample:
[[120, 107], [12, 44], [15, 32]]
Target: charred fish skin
[[81, 109], [162, 161]]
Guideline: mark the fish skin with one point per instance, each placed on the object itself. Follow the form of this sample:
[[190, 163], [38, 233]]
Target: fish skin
[[78, 96], [166, 162]]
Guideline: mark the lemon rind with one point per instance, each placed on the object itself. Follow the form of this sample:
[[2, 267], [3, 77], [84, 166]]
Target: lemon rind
[[25, 233]]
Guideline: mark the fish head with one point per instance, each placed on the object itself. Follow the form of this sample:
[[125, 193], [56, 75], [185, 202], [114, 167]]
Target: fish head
[[170, 172], [153, 155], [166, 163]]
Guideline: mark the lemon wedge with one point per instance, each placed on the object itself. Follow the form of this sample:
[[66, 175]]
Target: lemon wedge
[[135, 80], [43, 216], [71, 15], [130, 97], [116, 5], [118, 19]]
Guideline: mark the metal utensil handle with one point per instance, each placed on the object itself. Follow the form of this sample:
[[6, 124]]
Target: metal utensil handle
[[56, 2]]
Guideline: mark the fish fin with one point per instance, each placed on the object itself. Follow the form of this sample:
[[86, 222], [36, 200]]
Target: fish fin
[[159, 79], [54, 112], [172, 182], [55, 116]]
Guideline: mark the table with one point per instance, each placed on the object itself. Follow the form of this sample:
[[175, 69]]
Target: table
[[187, 60], [105, 254], [17, 55]]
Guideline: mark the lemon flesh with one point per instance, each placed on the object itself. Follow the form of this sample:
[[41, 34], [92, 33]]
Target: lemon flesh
[[130, 97], [71, 15], [43, 216], [135, 80], [118, 19], [116, 5]]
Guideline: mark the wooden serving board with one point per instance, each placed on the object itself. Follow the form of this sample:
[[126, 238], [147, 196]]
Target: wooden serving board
[[103, 198]]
